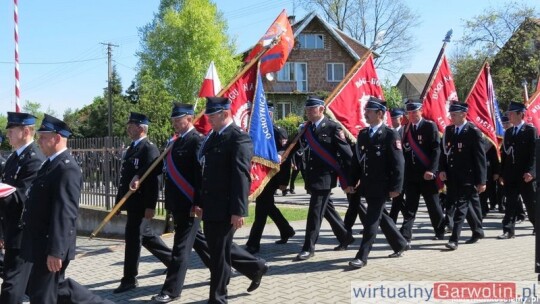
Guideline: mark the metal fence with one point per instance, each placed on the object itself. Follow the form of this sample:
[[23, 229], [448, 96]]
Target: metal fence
[[100, 160]]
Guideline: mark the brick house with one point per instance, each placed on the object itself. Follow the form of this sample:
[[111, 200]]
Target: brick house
[[320, 59]]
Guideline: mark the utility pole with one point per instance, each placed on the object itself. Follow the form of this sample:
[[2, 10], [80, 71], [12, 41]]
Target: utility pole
[[108, 141], [109, 86]]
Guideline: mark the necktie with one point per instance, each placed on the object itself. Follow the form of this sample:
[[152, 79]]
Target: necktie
[[132, 145], [414, 128], [515, 131], [371, 132], [457, 130], [44, 165], [314, 127]]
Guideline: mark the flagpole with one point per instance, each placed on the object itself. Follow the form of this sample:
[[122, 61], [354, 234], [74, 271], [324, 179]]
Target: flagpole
[[436, 65], [245, 68], [348, 77]]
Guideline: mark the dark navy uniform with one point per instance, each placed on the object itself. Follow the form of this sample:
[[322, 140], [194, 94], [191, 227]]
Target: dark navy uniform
[[136, 161], [379, 168], [493, 170], [464, 162], [517, 159], [20, 172], [226, 164], [50, 223], [426, 139], [398, 202], [265, 203], [321, 178]]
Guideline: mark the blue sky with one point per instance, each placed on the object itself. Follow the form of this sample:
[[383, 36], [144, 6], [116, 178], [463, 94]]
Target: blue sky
[[64, 64]]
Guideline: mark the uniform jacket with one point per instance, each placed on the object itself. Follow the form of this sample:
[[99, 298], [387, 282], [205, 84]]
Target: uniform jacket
[[51, 210], [284, 174], [319, 175], [518, 154], [427, 138], [379, 163], [184, 154], [493, 163], [135, 162], [20, 171], [464, 159], [2, 164], [226, 166]]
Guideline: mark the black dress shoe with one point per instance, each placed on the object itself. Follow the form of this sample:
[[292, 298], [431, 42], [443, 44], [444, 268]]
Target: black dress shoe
[[285, 239], [474, 239], [163, 298], [304, 255], [292, 191], [126, 286], [505, 236], [438, 237], [252, 249], [451, 245], [398, 254], [357, 263], [343, 246], [256, 282]]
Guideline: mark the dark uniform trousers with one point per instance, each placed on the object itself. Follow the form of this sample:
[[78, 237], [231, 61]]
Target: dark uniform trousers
[[428, 189], [388, 227], [134, 239], [465, 202], [219, 235], [398, 205], [375, 207], [321, 178], [265, 207], [19, 171], [512, 191]]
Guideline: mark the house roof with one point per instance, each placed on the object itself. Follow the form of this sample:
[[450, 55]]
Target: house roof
[[417, 80], [351, 45]]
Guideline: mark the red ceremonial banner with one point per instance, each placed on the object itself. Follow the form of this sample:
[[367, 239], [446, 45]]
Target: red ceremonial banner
[[480, 101], [240, 94], [532, 115], [275, 58], [440, 94], [347, 106]]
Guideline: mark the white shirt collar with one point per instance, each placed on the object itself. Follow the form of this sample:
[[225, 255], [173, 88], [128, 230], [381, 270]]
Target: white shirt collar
[[520, 125], [189, 130], [225, 127], [375, 128], [52, 157], [135, 143], [319, 122], [21, 149]]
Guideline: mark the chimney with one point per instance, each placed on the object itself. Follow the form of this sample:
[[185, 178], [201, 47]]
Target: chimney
[[292, 19]]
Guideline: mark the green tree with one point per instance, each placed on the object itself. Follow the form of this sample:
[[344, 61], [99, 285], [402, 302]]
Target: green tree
[[179, 44], [392, 95]]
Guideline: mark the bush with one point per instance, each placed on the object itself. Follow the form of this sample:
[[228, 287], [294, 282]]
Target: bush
[[290, 123]]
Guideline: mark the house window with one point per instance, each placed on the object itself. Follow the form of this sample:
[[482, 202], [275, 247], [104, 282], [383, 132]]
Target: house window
[[311, 41], [294, 72], [283, 109], [335, 72]]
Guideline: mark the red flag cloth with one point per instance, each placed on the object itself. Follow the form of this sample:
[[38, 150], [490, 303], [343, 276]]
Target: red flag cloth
[[439, 96], [480, 101], [347, 106], [275, 58], [6, 190], [240, 94], [532, 115], [211, 84]]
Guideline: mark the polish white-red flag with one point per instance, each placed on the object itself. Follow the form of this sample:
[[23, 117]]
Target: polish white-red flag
[[481, 101], [240, 93], [532, 115], [347, 104], [441, 92], [211, 84]]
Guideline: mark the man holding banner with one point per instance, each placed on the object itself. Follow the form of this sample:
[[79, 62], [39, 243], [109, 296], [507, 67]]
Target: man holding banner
[[328, 157]]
